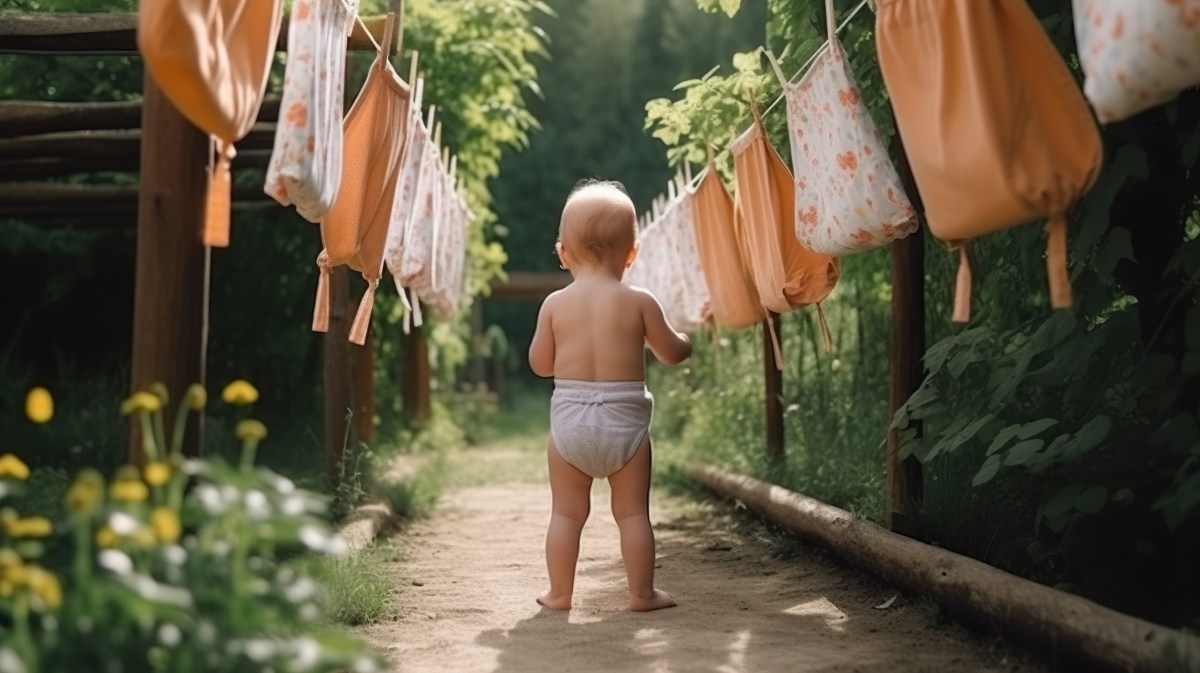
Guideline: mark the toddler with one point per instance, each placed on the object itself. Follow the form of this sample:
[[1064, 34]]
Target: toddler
[[590, 337]]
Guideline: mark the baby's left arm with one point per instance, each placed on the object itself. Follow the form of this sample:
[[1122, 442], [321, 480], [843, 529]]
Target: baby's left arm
[[541, 348]]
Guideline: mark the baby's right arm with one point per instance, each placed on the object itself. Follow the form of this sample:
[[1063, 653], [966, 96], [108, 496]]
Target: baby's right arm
[[669, 346]]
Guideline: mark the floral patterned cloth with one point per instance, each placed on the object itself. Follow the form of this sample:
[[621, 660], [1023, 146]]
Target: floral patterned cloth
[[403, 207], [1136, 54], [420, 242], [668, 265], [848, 195], [306, 163]]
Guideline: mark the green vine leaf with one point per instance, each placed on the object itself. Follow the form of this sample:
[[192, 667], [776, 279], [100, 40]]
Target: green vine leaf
[[989, 469], [1036, 428], [1024, 452]]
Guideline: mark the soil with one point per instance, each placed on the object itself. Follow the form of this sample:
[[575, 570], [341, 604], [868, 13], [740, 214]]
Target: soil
[[467, 577]]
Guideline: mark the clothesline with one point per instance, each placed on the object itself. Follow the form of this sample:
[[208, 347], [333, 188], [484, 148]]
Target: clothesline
[[804, 68]]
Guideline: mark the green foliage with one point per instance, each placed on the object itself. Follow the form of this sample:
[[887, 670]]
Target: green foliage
[[137, 576], [414, 496], [355, 588], [1036, 430]]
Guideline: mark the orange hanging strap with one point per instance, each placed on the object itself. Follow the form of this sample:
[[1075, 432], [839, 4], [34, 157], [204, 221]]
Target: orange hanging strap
[[826, 335], [962, 287], [775, 342], [321, 309], [362, 319], [219, 197], [1056, 262]]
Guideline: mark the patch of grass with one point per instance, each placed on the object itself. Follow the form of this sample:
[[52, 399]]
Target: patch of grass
[[356, 587], [415, 496]]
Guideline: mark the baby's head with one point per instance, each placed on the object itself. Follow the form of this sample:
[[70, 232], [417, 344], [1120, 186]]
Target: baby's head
[[598, 226]]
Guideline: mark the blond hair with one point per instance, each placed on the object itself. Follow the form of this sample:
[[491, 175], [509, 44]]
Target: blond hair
[[599, 223]]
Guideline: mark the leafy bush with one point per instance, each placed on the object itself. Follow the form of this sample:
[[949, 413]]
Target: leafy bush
[[145, 573]]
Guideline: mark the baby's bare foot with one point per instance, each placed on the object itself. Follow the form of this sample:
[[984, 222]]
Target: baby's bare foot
[[548, 600], [657, 601]]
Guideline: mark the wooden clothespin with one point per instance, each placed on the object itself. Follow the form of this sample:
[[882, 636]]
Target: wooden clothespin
[[687, 172], [397, 7], [412, 70], [671, 192], [432, 114]]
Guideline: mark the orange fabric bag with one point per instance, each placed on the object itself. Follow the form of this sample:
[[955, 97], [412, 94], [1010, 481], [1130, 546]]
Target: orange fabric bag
[[211, 58], [355, 230], [786, 274], [996, 128], [733, 299]]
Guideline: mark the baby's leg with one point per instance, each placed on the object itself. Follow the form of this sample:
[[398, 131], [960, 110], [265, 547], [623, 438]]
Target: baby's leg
[[571, 492], [631, 508]]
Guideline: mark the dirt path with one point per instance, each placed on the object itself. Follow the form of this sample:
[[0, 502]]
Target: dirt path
[[467, 584]]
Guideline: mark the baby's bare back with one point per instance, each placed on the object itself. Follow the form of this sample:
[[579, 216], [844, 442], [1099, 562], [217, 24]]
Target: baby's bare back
[[599, 332]]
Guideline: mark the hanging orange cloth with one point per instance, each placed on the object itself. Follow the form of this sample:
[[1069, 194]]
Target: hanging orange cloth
[[786, 274], [733, 299], [996, 129], [355, 230], [211, 59]]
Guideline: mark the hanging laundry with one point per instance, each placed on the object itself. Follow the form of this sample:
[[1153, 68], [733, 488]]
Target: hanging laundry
[[355, 230], [423, 237], [686, 288], [849, 197], [404, 205], [733, 298], [785, 273], [451, 285], [984, 75], [306, 162], [211, 59], [1136, 54]]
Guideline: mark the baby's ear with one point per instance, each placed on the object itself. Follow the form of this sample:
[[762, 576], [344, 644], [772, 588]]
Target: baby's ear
[[564, 261], [632, 255]]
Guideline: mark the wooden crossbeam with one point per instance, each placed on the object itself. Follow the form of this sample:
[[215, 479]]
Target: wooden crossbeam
[[107, 143], [64, 33], [40, 168], [530, 286], [25, 118], [40, 202]]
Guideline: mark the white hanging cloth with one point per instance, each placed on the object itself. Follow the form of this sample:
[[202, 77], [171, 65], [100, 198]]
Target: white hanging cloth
[[849, 197], [306, 162], [1136, 54]]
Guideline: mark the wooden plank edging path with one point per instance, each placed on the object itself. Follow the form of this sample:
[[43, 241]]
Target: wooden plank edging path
[[1023, 611]]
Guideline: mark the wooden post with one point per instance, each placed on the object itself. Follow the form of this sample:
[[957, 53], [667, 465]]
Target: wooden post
[[364, 390], [170, 313], [773, 378], [906, 349], [414, 387], [337, 373]]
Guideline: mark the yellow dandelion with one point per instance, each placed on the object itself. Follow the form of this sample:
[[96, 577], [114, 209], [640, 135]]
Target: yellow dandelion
[[140, 401], [129, 491], [196, 397], [159, 390], [157, 473], [85, 492], [8, 515], [166, 525], [240, 393], [45, 586], [9, 559], [39, 405], [13, 467], [33, 526], [250, 430], [144, 537], [107, 538]]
